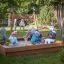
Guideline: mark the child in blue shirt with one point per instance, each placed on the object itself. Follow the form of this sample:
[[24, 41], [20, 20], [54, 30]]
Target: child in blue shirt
[[13, 38], [35, 37], [30, 32]]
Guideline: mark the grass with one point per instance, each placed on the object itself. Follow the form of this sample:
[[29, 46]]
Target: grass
[[47, 58], [21, 33]]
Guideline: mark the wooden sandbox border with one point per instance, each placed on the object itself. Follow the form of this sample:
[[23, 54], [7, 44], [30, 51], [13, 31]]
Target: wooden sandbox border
[[24, 50]]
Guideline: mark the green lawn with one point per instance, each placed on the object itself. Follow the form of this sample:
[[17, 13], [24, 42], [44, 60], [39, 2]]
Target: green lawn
[[22, 33], [47, 58]]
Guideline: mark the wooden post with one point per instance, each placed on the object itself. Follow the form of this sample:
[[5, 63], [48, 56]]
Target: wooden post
[[9, 17], [11, 21], [34, 18]]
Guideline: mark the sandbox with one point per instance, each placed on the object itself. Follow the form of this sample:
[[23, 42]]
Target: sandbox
[[30, 49]]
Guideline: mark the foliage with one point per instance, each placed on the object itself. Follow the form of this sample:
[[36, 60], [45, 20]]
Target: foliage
[[43, 7], [47, 16], [23, 8], [33, 7], [2, 9]]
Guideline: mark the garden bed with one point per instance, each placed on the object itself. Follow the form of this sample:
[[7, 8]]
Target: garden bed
[[30, 49]]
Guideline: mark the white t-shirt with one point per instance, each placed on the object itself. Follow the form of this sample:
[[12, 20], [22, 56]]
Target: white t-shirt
[[51, 28], [22, 23], [48, 40]]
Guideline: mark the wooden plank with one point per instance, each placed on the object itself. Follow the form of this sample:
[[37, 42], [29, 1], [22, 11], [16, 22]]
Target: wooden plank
[[27, 52], [2, 50]]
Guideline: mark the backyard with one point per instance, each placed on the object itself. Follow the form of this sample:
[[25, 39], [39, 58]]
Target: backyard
[[16, 16], [43, 58]]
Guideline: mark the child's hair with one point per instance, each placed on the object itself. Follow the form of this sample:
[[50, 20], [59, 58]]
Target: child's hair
[[13, 33]]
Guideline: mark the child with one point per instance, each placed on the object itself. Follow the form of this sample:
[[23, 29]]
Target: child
[[30, 32], [3, 33], [51, 37], [13, 38], [22, 23], [35, 37], [52, 34]]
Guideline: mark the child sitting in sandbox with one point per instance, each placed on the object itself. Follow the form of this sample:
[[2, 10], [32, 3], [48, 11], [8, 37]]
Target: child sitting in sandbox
[[30, 32], [35, 39], [3, 36], [51, 36], [13, 38], [34, 35]]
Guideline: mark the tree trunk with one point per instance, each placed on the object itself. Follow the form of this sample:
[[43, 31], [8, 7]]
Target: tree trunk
[[62, 27], [9, 19], [60, 20], [59, 9]]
